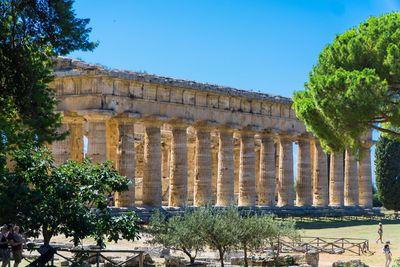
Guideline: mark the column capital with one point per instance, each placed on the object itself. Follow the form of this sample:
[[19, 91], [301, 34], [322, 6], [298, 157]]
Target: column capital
[[179, 123], [97, 117], [153, 121], [268, 133], [249, 130], [227, 128], [304, 137], [72, 119], [288, 136], [127, 117], [204, 125]]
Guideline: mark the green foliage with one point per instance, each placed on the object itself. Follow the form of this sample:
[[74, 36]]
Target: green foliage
[[69, 199], [376, 202], [387, 172], [355, 85], [32, 34], [219, 229], [274, 230], [396, 263], [180, 232], [114, 228]]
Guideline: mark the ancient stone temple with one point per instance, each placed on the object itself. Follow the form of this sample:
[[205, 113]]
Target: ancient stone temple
[[187, 143]]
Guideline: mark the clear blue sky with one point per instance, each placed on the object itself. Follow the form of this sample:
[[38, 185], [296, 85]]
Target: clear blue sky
[[267, 46]]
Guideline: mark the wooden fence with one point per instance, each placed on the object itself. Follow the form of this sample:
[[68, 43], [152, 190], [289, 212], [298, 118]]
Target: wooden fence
[[95, 256], [326, 245]]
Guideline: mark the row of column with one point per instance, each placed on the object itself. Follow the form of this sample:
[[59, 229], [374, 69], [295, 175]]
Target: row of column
[[348, 184]]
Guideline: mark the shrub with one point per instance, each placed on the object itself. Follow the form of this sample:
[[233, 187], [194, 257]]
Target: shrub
[[387, 172]]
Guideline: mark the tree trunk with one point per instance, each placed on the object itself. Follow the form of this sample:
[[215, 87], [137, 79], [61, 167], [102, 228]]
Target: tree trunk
[[191, 258], [246, 262], [221, 257], [47, 235], [275, 255]]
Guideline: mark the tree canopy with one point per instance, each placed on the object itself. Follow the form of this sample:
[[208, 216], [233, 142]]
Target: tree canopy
[[179, 232], [387, 170], [32, 34], [355, 85], [70, 199]]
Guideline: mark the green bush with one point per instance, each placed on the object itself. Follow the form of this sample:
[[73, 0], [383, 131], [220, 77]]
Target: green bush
[[376, 202], [396, 263]]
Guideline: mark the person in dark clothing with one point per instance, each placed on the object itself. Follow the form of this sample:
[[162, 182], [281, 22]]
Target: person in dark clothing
[[16, 241], [4, 251]]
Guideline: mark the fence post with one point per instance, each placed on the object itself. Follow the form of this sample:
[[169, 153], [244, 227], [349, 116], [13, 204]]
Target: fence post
[[141, 258], [97, 259]]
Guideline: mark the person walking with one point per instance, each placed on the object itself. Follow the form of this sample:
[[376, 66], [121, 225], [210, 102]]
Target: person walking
[[4, 251], [380, 233], [16, 240], [388, 254]]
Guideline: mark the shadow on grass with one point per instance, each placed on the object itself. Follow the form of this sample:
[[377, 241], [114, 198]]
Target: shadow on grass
[[329, 223]]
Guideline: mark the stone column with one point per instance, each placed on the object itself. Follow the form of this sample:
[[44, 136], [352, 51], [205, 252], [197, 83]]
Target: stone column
[[304, 181], [320, 175], [62, 149], [247, 169], [336, 180], [267, 182], [350, 180], [225, 182], [76, 134], [152, 194], [365, 177], [203, 172], [71, 148], [285, 185], [165, 167], [126, 162], [178, 168], [96, 133]]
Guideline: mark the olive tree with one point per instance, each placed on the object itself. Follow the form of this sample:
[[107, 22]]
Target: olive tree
[[248, 237], [179, 233], [220, 229], [274, 230]]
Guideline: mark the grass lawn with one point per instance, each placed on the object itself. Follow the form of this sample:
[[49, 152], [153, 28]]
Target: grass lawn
[[366, 229]]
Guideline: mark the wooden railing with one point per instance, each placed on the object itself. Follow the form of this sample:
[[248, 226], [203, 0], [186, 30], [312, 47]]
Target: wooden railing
[[95, 256], [326, 245]]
